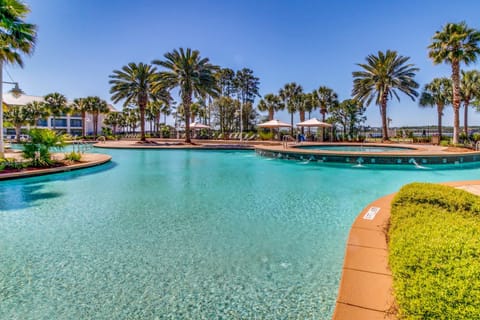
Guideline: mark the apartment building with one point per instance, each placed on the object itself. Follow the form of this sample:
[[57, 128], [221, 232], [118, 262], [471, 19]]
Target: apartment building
[[68, 123]]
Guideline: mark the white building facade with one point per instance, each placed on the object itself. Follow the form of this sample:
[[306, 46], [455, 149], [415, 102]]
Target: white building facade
[[68, 123]]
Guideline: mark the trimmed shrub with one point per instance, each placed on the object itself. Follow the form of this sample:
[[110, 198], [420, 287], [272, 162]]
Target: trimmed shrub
[[434, 250], [73, 156], [265, 135], [444, 143]]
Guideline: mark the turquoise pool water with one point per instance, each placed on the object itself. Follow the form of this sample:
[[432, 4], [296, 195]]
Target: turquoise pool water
[[356, 148], [185, 235]]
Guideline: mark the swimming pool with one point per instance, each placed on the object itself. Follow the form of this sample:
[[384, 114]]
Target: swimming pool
[[185, 234], [356, 148]]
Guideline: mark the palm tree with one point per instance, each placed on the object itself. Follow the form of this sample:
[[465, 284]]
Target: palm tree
[[327, 98], [312, 102], [18, 37], [18, 116], [114, 119], [134, 83], [271, 103], [36, 110], [81, 105], [152, 114], [454, 44], [56, 104], [437, 93], [166, 110], [192, 74], [288, 93], [96, 106], [131, 117], [469, 90], [380, 79]]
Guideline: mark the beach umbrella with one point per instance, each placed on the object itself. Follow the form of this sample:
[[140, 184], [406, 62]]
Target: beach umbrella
[[196, 125], [314, 122], [274, 124]]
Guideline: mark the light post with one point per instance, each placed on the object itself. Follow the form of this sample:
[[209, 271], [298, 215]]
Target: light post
[[16, 92]]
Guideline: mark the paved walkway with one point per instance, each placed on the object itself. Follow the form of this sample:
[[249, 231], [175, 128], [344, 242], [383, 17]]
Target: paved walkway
[[365, 291], [179, 144]]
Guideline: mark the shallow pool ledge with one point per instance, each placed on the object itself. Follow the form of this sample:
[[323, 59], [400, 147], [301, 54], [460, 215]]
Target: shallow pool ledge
[[88, 160], [365, 290]]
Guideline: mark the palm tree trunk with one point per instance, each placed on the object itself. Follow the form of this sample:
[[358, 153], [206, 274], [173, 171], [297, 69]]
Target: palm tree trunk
[[383, 111], [95, 124], [456, 99], [18, 128], [142, 120], [270, 114], [465, 116], [291, 122], [302, 118], [187, 100], [440, 112], [323, 112], [83, 124]]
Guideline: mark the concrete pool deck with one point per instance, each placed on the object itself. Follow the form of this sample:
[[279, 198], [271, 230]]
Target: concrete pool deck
[[179, 144], [365, 291], [88, 160]]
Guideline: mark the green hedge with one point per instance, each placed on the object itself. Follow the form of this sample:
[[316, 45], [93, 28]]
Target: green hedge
[[434, 252]]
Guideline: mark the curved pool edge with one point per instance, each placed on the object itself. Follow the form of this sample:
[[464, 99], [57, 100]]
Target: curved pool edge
[[420, 155], [91, 160], [365, 290]]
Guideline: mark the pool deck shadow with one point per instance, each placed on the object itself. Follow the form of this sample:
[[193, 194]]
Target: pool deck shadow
[[365, 291]]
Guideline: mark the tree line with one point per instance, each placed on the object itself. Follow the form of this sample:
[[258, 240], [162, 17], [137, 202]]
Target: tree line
[[55, 105]]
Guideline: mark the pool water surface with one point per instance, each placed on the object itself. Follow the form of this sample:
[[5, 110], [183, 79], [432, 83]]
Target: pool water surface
[[185, 234]]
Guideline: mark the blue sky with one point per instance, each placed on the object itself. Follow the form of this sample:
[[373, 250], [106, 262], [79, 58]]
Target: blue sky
[[80, 42]]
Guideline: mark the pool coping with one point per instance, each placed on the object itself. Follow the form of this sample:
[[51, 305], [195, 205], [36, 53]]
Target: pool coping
[[417, 155], [88, 160], [365, 290]]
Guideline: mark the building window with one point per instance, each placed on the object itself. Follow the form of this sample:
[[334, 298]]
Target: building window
[[75, 123], [42, 123], [59, 123]]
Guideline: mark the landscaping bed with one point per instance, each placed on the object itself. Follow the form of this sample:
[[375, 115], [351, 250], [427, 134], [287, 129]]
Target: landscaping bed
[[434, 251]]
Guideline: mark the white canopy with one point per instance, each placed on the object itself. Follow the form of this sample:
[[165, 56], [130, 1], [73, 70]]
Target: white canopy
[[314, 122], [274, 124], [196, 125]]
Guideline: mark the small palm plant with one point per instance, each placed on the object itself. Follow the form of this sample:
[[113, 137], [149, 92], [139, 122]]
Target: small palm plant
[[37, 149]]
